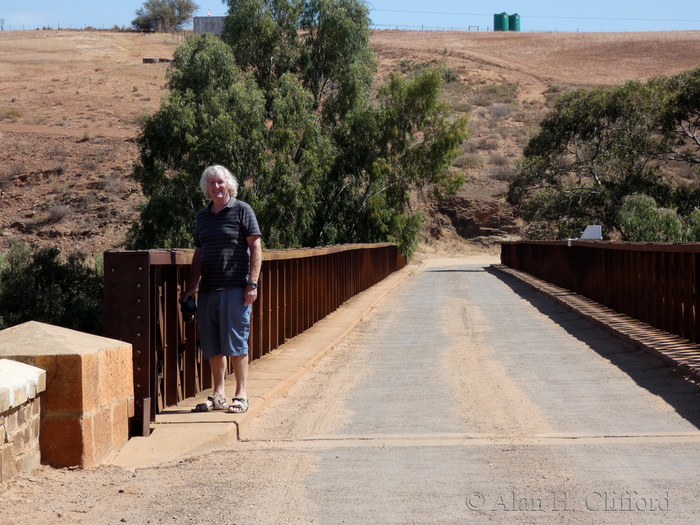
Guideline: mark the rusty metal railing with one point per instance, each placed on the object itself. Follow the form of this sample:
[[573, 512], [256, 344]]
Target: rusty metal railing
[[655, 283], [297, 288]]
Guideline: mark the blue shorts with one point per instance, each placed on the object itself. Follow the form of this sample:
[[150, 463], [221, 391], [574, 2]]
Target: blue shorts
[[224, 322]]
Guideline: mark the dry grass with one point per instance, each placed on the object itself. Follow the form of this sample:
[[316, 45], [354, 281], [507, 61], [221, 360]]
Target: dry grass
[[9, 113], [57, 213]]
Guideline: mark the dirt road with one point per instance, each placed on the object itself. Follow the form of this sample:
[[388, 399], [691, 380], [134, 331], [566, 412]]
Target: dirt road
[[463, 398]]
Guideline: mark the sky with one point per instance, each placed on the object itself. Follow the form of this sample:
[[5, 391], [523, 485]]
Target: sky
[[544, 15]]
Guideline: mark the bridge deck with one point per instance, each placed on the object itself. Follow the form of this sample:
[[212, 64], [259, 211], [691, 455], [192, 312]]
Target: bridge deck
[[465, 396]]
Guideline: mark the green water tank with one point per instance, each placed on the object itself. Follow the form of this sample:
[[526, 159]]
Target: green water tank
[[500, 22], [514, 22]]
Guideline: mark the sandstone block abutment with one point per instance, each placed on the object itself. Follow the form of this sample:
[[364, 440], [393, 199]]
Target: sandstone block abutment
[[89, 394]]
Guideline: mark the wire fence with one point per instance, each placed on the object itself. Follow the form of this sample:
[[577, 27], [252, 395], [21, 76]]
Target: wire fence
[[73, 26], [59, 26], [422, 27]]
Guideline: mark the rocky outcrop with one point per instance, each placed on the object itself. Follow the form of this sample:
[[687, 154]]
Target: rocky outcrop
[[479, 218]]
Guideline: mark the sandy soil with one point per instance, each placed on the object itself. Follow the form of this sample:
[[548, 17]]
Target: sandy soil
[[584, 59], [72, 103]]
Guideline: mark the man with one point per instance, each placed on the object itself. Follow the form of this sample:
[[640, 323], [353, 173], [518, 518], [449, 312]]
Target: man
[[227, 258]]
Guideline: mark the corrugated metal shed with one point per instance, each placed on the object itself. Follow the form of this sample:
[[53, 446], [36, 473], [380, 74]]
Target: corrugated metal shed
[[209, 24]]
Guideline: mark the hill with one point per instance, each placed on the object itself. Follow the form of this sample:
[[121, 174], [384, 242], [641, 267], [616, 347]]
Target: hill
[[71, 104]]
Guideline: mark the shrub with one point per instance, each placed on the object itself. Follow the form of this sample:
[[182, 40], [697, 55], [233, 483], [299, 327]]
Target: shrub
[[9, 113], [496, 94], [110, 183], [38, 285], [500, 111], [498, 160], [135, 118], [57, 213], [469, 147], [469, 161], [480, 100], [461, 107], [60, 168], [410, 66], [500, 93], [450, 76], [502, 173], [554, 92], [457, 89], [57, 186], [487, 144]]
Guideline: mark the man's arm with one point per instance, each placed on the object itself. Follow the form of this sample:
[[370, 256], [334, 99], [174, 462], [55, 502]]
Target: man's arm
[[195, 274], [255, 246]]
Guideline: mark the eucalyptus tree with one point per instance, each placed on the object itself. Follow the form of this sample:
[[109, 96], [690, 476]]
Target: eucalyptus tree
[[601, 145], [286, 100], [177, 13]]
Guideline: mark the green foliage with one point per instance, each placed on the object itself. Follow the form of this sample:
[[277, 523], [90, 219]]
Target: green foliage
[[213, 115], [599, 146], [693, 226], [300, 156], [337, 62], [262, 36], [412, 67], [284, 101], [450, 75], [36, 285], [177, 12], [406, 143], [642, 221]]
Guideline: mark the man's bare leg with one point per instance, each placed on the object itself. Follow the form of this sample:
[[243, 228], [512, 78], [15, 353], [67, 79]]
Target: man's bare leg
[[218, 369], [240, 371]]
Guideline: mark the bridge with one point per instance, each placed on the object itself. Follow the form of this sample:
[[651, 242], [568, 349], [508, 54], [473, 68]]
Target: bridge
[[454, 391]]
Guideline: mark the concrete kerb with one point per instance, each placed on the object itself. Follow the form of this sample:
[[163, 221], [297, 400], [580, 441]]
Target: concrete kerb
[[179, 433], [675, 352]]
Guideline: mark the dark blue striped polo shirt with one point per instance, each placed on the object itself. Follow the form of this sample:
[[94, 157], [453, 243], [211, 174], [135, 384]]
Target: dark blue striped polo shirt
[[223, 240]]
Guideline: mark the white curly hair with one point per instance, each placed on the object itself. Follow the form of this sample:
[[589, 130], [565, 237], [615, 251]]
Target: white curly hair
[[213, 171]]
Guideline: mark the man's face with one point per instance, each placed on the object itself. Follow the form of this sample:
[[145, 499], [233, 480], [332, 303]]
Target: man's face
[[218, 189]]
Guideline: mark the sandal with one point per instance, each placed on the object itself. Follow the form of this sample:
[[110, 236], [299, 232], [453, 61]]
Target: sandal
[[238, 405], [212, 403]]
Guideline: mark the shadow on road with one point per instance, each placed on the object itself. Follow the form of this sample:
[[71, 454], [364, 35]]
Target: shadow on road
[[455, 270], [647, 371]]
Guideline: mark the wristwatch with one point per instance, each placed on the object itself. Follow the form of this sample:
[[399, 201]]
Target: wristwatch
[[253, 284]]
